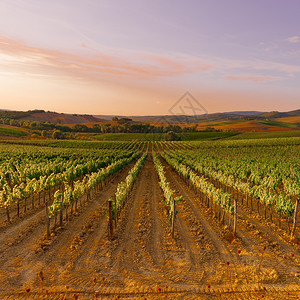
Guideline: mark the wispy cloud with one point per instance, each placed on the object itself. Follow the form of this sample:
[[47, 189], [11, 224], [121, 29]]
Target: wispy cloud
[[135, 65], [251, 78], [294, 39], [114, 64], [254, 66]]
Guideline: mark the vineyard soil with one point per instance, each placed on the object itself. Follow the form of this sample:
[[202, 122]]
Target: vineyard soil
[[203, 261]]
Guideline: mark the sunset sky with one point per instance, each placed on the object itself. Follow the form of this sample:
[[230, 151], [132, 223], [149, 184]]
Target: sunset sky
[[138, 57]]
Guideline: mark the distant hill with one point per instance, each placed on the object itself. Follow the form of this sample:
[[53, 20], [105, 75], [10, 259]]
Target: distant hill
[[230, 118], [240, 121], [48, 116], [225, 116], [245, 113], [190, 119], [180, 119], [276, 114], [61, 118]]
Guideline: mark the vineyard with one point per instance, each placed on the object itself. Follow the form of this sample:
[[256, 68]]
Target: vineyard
[[150, 219]]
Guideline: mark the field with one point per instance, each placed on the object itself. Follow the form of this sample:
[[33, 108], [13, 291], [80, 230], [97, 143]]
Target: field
[[266, 135], [142, 219], [186, 136], [250, 126], [11, 131]]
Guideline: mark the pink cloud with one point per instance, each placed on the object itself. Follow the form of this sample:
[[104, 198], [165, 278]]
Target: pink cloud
[[188, 62], [251, 78], [294, 39], [134, 65]]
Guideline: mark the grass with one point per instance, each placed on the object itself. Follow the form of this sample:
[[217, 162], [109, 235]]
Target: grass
[[205, 136], [185, 136], [11, 131], [265, 135], [230, 122], [129, 136], [278, 123]]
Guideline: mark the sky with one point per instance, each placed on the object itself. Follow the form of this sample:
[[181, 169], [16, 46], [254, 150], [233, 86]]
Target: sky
[[139, 57]]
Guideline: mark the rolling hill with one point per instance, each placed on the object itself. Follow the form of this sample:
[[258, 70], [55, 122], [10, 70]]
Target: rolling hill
[[238, 121], [49, 116]]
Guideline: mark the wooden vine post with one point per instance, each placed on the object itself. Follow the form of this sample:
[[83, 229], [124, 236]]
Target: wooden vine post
[[110, 220], [61, 210], [47, 221], [7, 209], [32, 201], [173, 218], [235, 215], [116, 212], [7, 214], [295, 218], [25, 204], [9, 181]]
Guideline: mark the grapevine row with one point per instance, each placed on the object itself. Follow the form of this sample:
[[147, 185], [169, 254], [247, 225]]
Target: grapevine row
[[14, 193], [117, 202], [170, 199], [70, 195], [211, 196]]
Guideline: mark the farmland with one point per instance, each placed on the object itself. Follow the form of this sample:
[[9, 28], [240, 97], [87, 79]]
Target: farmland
[[150, 219], [11, 131], [187, 136]]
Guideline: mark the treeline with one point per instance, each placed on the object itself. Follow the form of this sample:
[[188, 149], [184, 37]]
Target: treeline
[[7, 114], [132, 128], [35, 125], [98, 128]]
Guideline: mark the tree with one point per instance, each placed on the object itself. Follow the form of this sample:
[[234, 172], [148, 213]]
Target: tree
[[209, 129], [57, 134], [12, 122], [80, 128], [96, 128], [172, 136], [44, 133], [124, 120]]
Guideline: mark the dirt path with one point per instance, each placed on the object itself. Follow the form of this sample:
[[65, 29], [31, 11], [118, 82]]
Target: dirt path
[[144, 253], [254, 232], [20, 255], [142, 256], [278, 264], [143, 260]]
